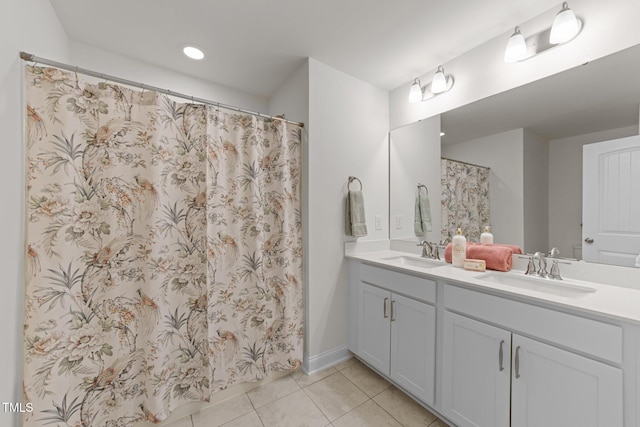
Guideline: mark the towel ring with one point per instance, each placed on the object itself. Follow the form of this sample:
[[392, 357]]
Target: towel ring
[[424, 186], [351, 179]]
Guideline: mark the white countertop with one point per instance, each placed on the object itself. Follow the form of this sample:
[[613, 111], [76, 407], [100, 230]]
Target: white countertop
[[615, 302]]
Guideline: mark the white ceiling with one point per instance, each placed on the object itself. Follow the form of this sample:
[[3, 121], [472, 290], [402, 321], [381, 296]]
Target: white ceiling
[[255, 45]]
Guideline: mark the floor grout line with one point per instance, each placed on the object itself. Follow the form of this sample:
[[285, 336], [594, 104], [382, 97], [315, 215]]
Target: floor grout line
[[255, 409], [314, 402], [387, 412], [344, 415], [259, 418], [281, 397], [370, 397]]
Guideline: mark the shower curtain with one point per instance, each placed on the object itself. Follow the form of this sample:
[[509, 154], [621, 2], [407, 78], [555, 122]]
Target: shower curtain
[[465, 199], [164, 251]]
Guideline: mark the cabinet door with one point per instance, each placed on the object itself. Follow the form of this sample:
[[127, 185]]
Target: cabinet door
[[553, 387], [413, 340], [373, 326], [476, 373]]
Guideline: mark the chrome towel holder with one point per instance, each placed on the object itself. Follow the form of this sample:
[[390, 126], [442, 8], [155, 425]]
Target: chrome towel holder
[[351, 179]]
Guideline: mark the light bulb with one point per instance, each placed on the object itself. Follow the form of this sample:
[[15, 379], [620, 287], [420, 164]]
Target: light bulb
[[516, 47], [439, 83], [415, 93], [565, 26]]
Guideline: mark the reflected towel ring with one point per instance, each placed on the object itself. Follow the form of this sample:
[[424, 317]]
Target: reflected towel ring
[[424, 186], [351, 179]]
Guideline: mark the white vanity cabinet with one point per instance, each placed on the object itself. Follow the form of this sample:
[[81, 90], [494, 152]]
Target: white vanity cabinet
[[486, 358], [488, 369], [396, 328], [493, 377], [556, 388], [476, 372]]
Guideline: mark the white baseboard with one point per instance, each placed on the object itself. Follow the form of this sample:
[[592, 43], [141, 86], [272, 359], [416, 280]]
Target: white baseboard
[[324, 360]]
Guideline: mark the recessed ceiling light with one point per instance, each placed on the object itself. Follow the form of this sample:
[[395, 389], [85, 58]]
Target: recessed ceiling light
[[441, 133], [193, 52]]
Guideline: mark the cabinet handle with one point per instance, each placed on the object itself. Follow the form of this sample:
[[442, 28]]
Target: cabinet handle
[[517, 362], [501, 357], [384, 305], [392, 302]]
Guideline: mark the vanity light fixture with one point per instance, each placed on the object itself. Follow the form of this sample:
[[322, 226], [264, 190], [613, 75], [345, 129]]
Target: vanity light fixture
[[564, 29], [193, 52], [565, 26], [415, 93], [441, 83], [516, 47]]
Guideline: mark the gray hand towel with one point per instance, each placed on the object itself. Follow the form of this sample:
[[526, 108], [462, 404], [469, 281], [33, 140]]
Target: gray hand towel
[[422, 223], [356, 222]]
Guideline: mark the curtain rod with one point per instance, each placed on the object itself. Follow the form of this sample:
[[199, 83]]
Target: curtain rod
[[32, 58], [466, 163]]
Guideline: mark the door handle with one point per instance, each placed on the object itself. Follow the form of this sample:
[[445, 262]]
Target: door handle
[[384, 307], [588, 240], [501, 357], [392, 302], [517, 362]]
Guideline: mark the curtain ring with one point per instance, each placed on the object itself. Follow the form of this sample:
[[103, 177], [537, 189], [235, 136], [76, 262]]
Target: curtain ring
[[351, 179]]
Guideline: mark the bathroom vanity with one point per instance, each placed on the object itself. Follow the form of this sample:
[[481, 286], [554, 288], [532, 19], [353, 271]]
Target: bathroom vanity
[[498, 349]]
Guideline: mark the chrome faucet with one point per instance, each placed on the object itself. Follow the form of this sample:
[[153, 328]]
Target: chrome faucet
[[531, 267], [435, 252], [541, 270], [427, 249], [542, 264], [555, 271]]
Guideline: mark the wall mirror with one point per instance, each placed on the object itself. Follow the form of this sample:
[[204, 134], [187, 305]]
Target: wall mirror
[[532, 139]]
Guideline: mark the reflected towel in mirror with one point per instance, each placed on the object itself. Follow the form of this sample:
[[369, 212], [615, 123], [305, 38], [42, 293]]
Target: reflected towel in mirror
[[422, 222]]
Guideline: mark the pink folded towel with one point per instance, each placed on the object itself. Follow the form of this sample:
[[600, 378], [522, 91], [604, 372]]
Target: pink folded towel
[[497, 256]]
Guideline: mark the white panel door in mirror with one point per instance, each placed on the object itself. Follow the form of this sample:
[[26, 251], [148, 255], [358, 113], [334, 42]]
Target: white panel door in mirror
[[611, 201]]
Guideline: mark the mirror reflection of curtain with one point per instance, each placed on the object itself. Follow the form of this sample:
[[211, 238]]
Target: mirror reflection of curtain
[[465, 199], [164, 251]]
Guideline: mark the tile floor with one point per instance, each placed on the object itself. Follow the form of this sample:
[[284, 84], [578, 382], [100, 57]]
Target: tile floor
[[346, 395]]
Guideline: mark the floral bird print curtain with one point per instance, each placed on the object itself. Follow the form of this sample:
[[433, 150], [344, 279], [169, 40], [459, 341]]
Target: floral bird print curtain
[[164, 251], [465, 199]]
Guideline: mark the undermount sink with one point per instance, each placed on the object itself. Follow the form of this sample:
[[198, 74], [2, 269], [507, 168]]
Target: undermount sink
[[416, 262], [565, 288]]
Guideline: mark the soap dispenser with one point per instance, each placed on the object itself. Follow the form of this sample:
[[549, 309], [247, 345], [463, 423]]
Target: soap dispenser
[[487, 236], [459, 249]]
